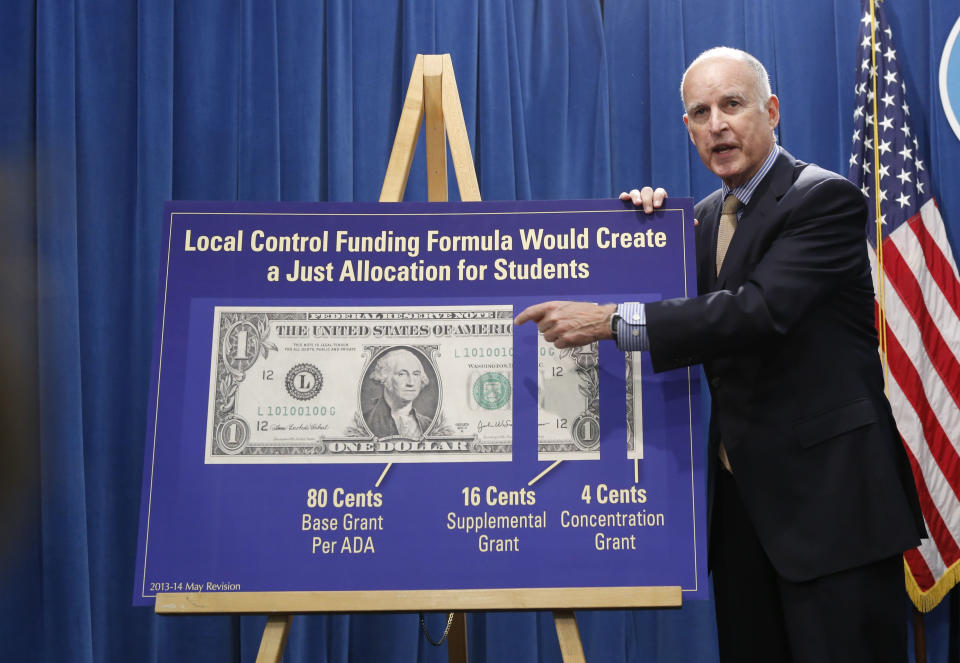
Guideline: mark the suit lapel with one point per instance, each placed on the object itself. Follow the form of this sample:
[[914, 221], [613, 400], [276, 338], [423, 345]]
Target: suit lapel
[[757, 212]]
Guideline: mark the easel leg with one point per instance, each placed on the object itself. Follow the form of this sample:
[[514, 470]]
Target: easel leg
[[571, 649], [457, 639], [436, 135], [433, 93], [274, 639], [919, 637]]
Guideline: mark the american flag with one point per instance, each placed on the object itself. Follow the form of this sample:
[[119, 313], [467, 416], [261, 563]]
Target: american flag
[[918, 302]]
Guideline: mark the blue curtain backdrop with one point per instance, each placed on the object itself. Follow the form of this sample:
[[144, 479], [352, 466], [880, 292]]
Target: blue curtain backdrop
[[111, 107]]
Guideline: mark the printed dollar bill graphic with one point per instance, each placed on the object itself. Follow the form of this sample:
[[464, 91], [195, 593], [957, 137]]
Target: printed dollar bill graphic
[[634, 406], [359, 385], [569, 402]]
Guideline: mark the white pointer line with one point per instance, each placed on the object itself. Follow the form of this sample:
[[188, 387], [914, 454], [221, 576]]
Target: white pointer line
[[383, 474], [636, 470], [541, 475]]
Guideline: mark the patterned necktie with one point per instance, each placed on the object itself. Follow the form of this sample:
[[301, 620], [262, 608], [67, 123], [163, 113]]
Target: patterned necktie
[[728, 224]]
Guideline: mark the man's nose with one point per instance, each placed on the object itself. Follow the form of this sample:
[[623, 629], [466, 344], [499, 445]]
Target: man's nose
[[717, 121]]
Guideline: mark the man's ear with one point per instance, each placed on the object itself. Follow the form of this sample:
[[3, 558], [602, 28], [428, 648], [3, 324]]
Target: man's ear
[[686, 123], [773, 111]]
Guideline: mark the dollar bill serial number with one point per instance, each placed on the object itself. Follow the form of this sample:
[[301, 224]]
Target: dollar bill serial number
[[296, 411], [478, 352]]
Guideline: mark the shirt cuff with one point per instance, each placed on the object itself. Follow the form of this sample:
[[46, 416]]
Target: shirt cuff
[[632, 327]]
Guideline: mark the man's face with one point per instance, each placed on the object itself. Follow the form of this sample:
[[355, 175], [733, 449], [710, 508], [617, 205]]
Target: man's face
[[406, 377], [731, 128]]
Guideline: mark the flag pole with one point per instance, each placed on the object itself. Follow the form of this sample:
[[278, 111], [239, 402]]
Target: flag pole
[[919, 628], [881, 277]]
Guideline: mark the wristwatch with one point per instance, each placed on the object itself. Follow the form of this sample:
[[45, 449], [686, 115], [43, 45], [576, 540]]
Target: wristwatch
[[614, 323]]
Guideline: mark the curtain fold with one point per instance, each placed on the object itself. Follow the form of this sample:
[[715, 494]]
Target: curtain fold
[[21, 559], [64, 582], [301, 100], [115, 106], [258, 140]]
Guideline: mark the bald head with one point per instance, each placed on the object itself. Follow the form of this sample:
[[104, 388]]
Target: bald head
[[758, 73]]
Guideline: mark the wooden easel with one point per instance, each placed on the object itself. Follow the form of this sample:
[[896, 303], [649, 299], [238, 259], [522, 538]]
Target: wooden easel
[[432, 92]]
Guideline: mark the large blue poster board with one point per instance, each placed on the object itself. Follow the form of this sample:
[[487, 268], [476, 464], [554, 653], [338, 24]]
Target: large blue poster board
[[281, 455]]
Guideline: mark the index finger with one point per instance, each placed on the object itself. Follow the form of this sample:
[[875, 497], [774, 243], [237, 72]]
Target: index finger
[[533, 312]]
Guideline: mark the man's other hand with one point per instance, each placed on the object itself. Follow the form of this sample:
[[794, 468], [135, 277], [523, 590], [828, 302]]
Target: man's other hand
[[570, 324], [647, 197]]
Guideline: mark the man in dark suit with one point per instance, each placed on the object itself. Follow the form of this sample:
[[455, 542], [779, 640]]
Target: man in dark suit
[[812, 500]]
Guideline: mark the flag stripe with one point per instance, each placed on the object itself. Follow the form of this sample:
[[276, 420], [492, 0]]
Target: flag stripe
[[934, 391], [944, 454], [920, 426], [919, 569], [938, 532], [909, 419], [930, 554], [939, 309], [905, 373], [938, 304], [941, 496], [903, 279], [940, 268], [934, 224]]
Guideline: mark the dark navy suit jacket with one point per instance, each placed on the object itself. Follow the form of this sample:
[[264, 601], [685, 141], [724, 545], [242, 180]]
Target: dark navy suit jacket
[[787, 339]]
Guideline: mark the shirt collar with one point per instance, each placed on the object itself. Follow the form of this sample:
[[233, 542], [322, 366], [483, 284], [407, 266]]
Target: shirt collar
[[745, 191]]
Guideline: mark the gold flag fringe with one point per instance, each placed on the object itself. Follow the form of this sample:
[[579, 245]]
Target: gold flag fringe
[[929, 599]]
